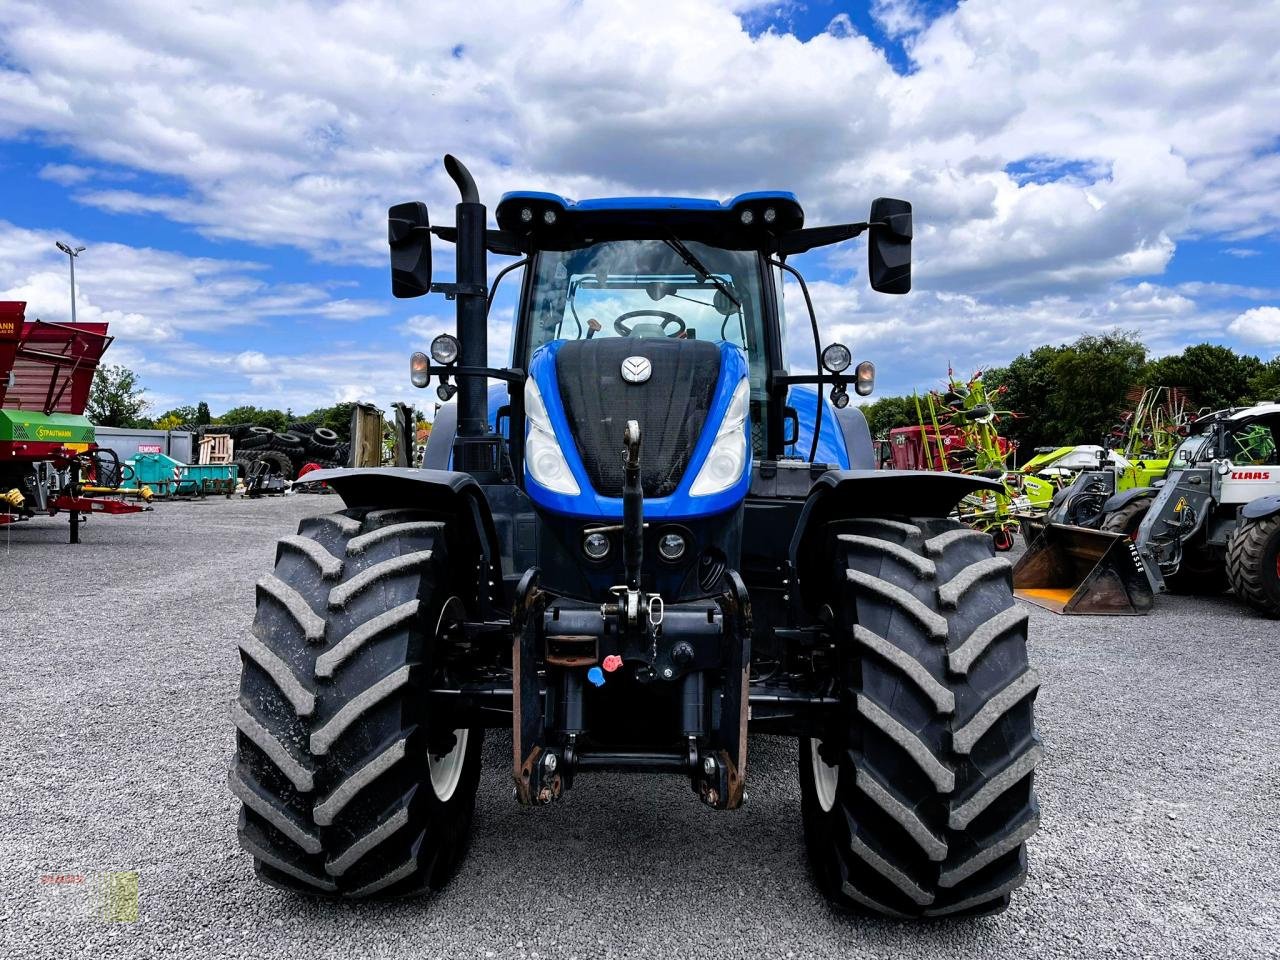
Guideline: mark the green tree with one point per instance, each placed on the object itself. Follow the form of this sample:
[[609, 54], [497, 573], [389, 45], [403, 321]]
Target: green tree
[[115, 397], [178, 416], [1028, 383], [1068, 394], [336, 418], [886, 413], [1212, 375], [275, 419], [1093, 377], [1264, 386], [202, 414]]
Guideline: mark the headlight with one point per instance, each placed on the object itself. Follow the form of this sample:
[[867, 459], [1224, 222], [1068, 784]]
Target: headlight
[[542, 454], [729, 452], [836, 358], [444, 349]]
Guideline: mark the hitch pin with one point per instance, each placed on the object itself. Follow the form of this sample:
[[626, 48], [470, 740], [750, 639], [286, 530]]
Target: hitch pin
[[656, 610]]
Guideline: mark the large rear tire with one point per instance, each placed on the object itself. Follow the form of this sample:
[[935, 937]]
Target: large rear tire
[[1253, 564], [921, 804], [348, 789]]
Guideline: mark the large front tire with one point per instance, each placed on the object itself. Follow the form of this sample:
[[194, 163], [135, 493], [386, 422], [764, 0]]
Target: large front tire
[[347, 787], [921, 804], [1253, 564]]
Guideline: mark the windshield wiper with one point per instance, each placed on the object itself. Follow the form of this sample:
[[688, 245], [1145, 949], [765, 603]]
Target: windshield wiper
[[696, 265]]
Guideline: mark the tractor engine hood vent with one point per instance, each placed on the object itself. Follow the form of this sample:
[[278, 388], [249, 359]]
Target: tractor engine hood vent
[[671, 406]]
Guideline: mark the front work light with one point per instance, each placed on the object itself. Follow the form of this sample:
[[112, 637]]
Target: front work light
[[747, 217], [419, 369], [865, 378], [671, 546], [596, 545], [837, 358], [444, 349], [445, 392]]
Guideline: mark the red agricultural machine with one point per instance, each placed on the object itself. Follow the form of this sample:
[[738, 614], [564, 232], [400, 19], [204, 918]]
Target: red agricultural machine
[[49, 458]]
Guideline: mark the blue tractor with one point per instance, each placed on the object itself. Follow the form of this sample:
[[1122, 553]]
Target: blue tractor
[[645, 541]]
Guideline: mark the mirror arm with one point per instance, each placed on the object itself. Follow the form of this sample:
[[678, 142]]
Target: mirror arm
[[798, 241], [452, 290], [496, 241]]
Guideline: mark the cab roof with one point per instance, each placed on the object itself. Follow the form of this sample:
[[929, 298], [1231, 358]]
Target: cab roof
[[748, 221], [1260, 410]]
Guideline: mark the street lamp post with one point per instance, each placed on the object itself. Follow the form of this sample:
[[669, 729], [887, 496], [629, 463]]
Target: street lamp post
[[72, 253]]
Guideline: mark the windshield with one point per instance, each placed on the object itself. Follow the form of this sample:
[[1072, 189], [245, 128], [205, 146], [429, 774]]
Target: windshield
[[644, 288], [1187, 452], [652, 288], [1253, 442]]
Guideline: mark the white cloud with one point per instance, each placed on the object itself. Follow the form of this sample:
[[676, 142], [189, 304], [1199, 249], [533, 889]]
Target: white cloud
[[251, 361], [1258, 325], [67, 174], [165, 310], [1056, 154], [898, 17], [299, 123]]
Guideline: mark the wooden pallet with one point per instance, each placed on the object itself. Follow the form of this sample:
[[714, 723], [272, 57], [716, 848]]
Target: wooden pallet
[[215, 448]]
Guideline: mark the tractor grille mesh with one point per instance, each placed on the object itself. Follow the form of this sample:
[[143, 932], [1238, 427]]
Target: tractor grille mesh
[[671, 406]]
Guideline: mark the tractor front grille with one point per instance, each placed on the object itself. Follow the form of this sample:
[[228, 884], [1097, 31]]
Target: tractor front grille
[[671, 406]]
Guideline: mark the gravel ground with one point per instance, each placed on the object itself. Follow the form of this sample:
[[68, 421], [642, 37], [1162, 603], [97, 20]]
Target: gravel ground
[[1160, 790]]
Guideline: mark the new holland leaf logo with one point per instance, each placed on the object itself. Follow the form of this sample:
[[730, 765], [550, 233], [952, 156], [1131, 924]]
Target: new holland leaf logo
[[636, 369]]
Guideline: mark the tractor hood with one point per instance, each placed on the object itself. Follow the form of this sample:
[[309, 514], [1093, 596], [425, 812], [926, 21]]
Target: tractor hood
[[690, 399]]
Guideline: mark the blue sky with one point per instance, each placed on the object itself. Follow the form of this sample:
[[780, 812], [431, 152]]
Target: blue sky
[[1074, 167]]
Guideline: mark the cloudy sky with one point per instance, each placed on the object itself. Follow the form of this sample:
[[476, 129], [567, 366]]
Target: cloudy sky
[[1074, 166]]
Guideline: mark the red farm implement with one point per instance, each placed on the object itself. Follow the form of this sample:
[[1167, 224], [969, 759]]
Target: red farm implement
[[47, 446]]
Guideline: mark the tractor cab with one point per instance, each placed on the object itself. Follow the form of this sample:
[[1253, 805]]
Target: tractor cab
[[665, 313]]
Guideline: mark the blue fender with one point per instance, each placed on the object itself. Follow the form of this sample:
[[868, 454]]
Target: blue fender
[[1121, 499], [1261, 508]]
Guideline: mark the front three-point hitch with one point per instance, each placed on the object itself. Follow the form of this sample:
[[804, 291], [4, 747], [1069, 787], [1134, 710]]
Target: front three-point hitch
[[570, 655]]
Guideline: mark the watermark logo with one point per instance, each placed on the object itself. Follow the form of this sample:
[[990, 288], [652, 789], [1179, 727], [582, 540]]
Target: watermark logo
[[111, 896], [120, 897]]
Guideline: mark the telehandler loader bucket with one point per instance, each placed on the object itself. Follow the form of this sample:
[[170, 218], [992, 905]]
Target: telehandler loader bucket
[[1076, 570]]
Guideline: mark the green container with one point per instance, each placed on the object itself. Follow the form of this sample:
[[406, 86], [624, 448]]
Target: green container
[[169, 477], [156, 469]]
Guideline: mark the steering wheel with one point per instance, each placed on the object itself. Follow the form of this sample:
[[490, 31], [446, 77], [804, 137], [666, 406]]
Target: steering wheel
[[667, 318]]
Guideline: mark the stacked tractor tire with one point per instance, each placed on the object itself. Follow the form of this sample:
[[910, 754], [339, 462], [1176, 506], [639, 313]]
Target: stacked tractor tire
[[287, 452]]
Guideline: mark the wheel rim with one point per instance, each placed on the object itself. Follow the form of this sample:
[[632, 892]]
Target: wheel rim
[[446, 769], [825, 777]]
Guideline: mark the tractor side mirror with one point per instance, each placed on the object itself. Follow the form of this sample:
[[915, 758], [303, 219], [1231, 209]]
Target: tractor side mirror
[[889, 249], [409, 236]]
